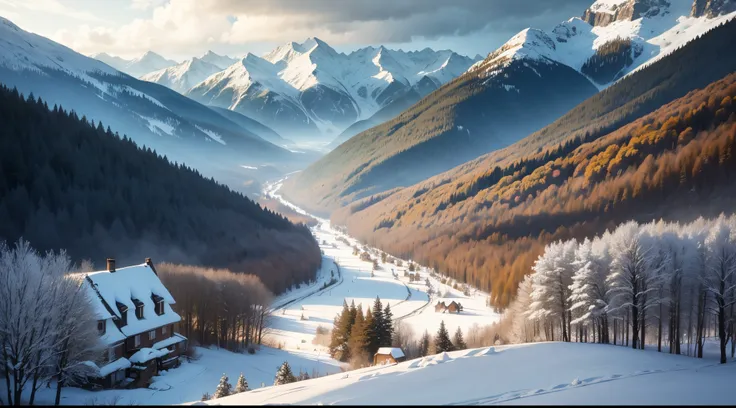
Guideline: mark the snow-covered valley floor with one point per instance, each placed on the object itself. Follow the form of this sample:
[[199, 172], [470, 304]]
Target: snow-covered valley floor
[[542, 373], [410, 301]]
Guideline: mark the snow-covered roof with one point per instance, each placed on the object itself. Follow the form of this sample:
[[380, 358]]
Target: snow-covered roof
[[119, 364], [395, 352], [126, 286], [176, 338], [147, 354]]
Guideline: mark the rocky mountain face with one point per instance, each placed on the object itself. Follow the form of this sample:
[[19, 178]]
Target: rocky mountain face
[[712, 8]]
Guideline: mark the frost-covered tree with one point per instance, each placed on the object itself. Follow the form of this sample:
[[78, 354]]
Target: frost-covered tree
[[719, 279], [284, 375], [241, 385], [224, 388], [47, 327], [551, 285]]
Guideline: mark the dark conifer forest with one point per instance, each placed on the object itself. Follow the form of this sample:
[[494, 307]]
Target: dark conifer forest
[[69, 184]]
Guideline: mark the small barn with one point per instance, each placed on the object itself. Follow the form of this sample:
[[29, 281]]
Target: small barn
[[440, 307], [454, 307], [388, 355]]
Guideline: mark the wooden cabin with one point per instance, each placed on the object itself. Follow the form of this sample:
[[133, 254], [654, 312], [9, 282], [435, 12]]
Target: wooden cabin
[[388, 355]]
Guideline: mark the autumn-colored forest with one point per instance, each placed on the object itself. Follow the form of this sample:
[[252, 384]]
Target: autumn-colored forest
[[488, 226]]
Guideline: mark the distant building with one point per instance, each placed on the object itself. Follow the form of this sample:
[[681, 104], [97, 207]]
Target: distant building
[[440, 307], [388, 355], [136, 322], [454, 307]]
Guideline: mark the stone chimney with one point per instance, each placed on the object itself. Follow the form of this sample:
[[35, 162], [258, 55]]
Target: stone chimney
[[111, 264], [150, 265]]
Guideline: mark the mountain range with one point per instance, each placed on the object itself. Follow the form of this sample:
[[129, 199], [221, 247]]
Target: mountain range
[[149, 113], [148, 62], [516, 90], [310, 91]]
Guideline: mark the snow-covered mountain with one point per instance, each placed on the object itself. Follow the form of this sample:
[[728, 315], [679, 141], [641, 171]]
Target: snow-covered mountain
[[182, 77], [308, 88], [220, 61], [146, 63], [615, 37], [148, 113]]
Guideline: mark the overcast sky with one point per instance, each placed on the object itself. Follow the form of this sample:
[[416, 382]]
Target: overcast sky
[[180, 29]]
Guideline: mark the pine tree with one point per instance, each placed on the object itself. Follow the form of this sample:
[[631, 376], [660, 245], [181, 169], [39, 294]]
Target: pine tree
[[458, 340], [424, 344], [341, 334], [358, 342], [284, 375], [442, 341], [241, 385], [371, 340], [388, 329], [224, 388], [379, 323]]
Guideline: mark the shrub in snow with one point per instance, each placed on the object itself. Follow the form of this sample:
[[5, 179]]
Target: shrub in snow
[[224, 388], [241, 385], [303, 318], [251, 350], [284, 375], [206, 396]]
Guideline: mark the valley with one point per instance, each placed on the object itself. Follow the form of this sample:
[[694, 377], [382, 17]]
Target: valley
[[347, 218]]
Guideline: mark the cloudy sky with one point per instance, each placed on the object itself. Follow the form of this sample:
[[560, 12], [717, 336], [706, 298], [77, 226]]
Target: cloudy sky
[[180, 29]]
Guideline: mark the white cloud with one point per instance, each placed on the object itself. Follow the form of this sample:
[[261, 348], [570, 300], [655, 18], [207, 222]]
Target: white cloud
[[52, 7], [191, 26]]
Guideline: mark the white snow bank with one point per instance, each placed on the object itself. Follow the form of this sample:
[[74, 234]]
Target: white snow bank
[[543, 373]]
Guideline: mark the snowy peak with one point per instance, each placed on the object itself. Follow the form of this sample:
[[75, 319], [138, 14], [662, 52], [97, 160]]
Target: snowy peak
[[21, 50], [182, 77], [220, 61], [614, 37], [604, 12]]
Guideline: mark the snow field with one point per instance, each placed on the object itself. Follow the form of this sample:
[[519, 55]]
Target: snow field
[[543, 373]]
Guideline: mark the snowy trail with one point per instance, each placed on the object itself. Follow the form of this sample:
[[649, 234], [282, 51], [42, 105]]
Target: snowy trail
[[301, 311]]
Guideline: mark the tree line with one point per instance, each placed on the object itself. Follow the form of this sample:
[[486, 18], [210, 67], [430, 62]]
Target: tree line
[[217, 306], [68, 183], [357, 337], [662, 283]]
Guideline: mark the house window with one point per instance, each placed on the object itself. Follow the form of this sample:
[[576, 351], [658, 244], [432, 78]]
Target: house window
[[139, 311], [160, 307], [152, 335], [137, 340], [118, 376], [164, 329], [101, 327]]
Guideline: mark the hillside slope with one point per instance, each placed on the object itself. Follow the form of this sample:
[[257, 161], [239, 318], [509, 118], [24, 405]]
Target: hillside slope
[[485, 222], [151, 114], [446, 127], [571, 374], [65, 184]]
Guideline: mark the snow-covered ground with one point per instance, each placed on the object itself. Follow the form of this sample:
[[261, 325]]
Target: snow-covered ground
[[410, 302], [191, 380], [542, 373]]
